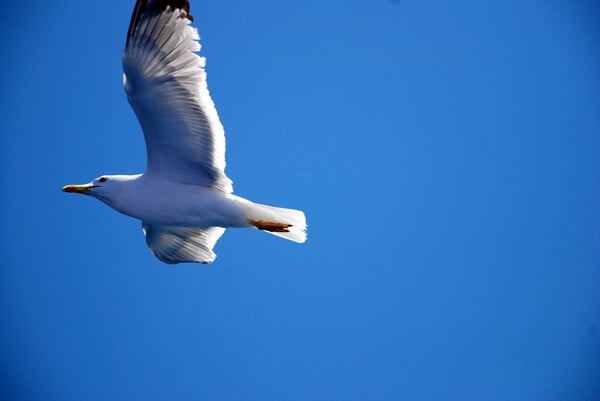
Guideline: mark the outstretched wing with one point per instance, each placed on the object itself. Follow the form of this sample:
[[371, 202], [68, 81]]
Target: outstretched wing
[[173, 244], [166, 86]]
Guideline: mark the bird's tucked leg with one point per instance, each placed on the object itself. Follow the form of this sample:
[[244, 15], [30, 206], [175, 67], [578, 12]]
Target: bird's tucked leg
[[271, 226]]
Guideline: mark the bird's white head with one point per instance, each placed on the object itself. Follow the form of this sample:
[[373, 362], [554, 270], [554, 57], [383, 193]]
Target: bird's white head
[[106, 187]]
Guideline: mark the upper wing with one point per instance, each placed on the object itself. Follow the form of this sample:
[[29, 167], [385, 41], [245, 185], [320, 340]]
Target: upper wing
[[165, 83], [173, 244]]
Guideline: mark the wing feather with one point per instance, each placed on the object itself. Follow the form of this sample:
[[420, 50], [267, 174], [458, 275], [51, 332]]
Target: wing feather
[[165, 82], [173, 244]]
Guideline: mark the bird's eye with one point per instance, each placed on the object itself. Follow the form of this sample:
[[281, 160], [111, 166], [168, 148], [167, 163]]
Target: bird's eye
[[102, 179]]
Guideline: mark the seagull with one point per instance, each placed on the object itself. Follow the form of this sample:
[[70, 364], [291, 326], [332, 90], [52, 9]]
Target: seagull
[[183, 199]]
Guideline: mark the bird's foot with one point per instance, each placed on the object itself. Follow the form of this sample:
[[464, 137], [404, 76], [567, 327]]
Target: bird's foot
[[270, 226]]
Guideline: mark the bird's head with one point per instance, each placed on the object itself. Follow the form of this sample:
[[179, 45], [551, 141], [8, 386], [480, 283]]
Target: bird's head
[[103, 187]]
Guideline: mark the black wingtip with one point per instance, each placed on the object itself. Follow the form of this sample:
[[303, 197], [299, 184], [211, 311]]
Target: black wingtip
[[149, 6], [174, 4]]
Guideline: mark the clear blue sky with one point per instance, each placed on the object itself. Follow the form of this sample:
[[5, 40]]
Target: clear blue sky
[[447, 155]]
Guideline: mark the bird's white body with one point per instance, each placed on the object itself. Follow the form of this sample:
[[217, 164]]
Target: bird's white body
[[184, 199], [158, 201]]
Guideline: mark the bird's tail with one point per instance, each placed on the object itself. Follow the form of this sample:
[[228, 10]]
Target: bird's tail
[[286, 223]]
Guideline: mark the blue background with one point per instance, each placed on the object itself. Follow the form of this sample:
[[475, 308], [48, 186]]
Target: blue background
[[446, 155]]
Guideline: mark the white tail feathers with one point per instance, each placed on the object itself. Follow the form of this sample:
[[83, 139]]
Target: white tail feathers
[[286, 223]]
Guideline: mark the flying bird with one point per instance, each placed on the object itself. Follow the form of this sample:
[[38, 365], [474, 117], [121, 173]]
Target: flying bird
[[184, 198]]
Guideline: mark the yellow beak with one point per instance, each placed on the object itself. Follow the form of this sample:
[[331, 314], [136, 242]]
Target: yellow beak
[[80, 189]]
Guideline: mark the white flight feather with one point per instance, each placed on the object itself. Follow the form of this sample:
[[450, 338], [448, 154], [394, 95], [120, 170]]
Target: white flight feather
[[173, 244]]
